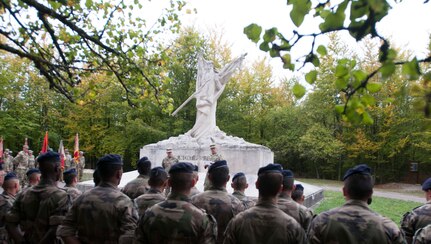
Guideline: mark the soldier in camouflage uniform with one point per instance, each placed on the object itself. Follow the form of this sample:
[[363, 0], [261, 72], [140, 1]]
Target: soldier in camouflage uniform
[[418, 217], [103, 214], [8, 161], [68, 160], [169, 160], [265, 223], [31, 160], [40, 209], [213, 158], [11, 187], [81, 165], [139, 186], [33, 178], [290, 207], [239, 184], [20, 163], [70, 177], [354, 222], [176, 220], [194, 190], [216, 201], [423, 235], [298, 196], [158, 182]]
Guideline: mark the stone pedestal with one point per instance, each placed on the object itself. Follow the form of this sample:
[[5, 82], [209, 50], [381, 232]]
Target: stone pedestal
[[241, 156]]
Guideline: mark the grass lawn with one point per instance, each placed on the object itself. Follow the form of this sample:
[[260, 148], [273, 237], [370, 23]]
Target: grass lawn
[[391, 208]]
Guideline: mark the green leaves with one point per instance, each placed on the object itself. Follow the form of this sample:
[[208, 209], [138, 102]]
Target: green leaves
[[334, 21], [299, 10], [411, 70], [321, 50], [88, 3], [298, 90], [311, 77], [253, 32], [374, 87]]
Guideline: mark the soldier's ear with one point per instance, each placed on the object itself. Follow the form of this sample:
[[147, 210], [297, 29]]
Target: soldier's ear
[[193, 182]]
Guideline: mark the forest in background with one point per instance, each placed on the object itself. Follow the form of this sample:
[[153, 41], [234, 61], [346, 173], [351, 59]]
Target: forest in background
[[307, 135]]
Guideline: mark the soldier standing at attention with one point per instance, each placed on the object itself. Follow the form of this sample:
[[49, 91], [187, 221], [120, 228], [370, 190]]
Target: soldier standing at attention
[[10, 188], [418, 217], [216, 201], [290, 207], [20, 163], [103, 214], [169, 160], [139, 186], [158, 182], [40, 209], [239, 184], [33, 177], [214, 156], [354, 222], [81, 165], [265, 222], [176, 220], [68, 160], [8, 161], [31, 160], [70, 177]]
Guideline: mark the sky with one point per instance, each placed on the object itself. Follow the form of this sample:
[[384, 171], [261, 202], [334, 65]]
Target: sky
[[408, 24]]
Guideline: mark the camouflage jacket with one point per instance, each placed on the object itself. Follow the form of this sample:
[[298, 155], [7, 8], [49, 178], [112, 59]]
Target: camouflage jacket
[[21, 160], [416, 219], [39, 209], [176, 220], [294, 209], [136, 187], [215, 157], [353, 223], [264, 223], [6, 202], [101, 215], [194, 191], [168, 162], [423, 236], [147, 200], [246, 201], [8, 163], [73, 192], [219, 204]]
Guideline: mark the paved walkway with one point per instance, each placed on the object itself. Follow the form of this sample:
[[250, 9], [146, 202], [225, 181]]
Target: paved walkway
[[387, 194]]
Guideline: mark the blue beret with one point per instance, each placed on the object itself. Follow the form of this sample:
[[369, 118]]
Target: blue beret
[[158, 171], [287, 173], [270, 168], [426, 185], [32, 171], [10, 176], [70, 171], [362, 169], [240, 174], [196, 169], [110, 159], [217, 165], [49, 156], [144, 160], [182, 167], [299, 187]]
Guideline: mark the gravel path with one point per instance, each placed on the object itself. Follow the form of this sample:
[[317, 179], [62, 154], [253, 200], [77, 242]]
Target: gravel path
[[387, 194]]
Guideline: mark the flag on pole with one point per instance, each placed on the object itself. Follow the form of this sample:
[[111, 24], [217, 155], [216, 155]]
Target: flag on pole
[[62, 153], [76, 150], [45, 143], [1, 148]]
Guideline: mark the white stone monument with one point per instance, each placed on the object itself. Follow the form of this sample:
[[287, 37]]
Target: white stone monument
[[194, 146]]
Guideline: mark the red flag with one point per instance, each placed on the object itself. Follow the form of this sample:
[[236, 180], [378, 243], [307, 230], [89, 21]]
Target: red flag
[[76, 150], [45, 143], [1, 148], [62, 153]]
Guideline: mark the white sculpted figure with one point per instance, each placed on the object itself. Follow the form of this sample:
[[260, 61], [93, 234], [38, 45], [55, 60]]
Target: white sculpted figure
[[210, 84]]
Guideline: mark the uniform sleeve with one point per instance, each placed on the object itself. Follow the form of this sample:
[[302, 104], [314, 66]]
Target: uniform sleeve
[[13, 216], [140, 230], [313, 231], [210, 231], [396, 235], [69, 225], [305, 218], [301, 238], [128, 221], [229, 235], [419, 237], [407, 225]]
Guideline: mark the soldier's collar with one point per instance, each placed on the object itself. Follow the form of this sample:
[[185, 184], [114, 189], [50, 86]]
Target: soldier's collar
[[239, 193], [178, 197], [107, 184], [357, 202], [213, 188], [285, 195]]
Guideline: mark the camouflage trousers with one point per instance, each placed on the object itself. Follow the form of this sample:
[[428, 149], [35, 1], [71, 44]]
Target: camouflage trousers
[[20, 172]]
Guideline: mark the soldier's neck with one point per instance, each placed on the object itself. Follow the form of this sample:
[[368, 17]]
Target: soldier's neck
[[272, 200]]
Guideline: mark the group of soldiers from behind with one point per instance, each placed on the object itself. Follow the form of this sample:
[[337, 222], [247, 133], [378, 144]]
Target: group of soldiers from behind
[[104, 214], [25, 160]]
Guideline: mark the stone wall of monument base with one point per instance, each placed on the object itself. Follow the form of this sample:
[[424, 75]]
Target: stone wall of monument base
[[247, 159]]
